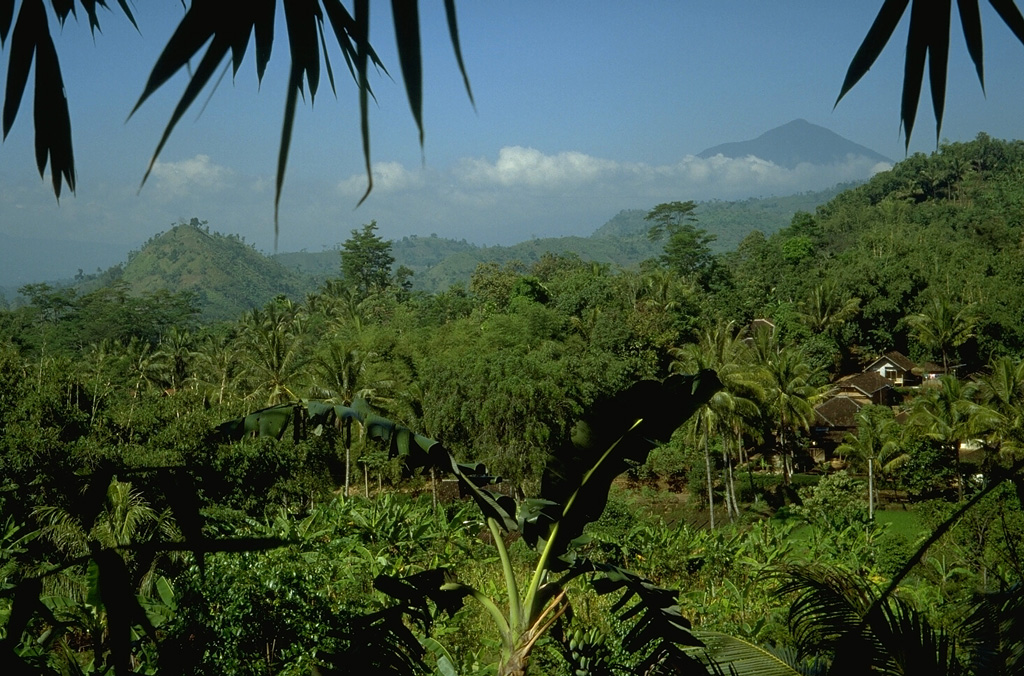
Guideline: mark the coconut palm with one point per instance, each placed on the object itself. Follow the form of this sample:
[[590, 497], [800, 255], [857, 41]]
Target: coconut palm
[[341, 373], [722, 350], [875, 442], [944, 326], [216, 365], [827, 308], [790, 397], [274, 364], [1002, 391], [950, 415], [175, 353]]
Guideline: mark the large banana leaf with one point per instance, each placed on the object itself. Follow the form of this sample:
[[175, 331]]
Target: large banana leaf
[[614, 434]]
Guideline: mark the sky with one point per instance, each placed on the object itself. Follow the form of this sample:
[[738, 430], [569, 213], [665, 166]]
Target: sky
[[582, 109]]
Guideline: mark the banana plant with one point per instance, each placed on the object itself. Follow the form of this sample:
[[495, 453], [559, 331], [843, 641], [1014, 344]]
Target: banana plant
[[574, 491]]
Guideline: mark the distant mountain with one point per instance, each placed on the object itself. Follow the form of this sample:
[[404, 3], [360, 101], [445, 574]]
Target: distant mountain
[[623, 239], [415, 252], [729, 222], [795, 143], [229, 276]]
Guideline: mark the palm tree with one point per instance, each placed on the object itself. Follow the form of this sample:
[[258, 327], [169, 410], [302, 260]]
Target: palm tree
[[949, 415], [827, 308], [1002, 391], [340, 376], [175, 355], [274, 365], [944, 327], [722, 350], [216, 366], [874, 442], [790, 396]]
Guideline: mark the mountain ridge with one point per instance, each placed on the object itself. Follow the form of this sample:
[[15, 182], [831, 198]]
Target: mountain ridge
[[794, 143]]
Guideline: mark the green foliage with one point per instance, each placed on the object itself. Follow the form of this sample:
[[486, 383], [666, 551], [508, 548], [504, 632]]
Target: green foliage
[[835, 503], [366, 261]]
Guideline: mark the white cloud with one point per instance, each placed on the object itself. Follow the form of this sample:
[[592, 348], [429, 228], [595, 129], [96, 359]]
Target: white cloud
[[525, 192], [528, 167], [177, 179], [387, 177]]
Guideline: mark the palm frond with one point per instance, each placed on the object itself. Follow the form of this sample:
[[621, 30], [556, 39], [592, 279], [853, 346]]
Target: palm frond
[[746, 658]]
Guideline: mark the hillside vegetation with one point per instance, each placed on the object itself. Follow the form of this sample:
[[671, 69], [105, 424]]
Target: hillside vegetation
[[267, 494], [226, 275], [438, 262]]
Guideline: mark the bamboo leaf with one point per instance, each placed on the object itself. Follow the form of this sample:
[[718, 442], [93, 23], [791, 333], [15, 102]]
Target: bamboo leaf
[[128, 12], [291, 99], [913, 69], [52, 119], [301, 18], [215, 53], [31, 20], [938, 58], [327, 58], [195, 30], [263, 32], [6, 16], [407, 33], [62, 8], [970, 20], [1011, 16], [453, 32], [90, 10], [874, 42], [360, 34]]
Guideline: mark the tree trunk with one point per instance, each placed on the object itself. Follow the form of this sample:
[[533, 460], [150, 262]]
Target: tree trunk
[[871, 489], [433, 486], [711, 495], [348, 466]]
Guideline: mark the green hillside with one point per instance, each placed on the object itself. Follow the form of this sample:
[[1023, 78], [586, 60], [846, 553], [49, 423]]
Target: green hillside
[[729, 222], [227, 275], [439, 262]]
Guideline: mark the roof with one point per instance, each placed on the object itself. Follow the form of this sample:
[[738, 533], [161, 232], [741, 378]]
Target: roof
[[894, 357], [868, 382], [839, 411]]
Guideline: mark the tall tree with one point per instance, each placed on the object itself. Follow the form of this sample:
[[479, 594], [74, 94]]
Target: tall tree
[[943, 326], [1002, 391], [874, 442], [790, 396], [827, 308], [687, 249], [366, 261], [721, 349], [950, 415]]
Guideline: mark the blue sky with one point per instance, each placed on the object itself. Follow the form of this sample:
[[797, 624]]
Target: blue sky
[[582, 109]]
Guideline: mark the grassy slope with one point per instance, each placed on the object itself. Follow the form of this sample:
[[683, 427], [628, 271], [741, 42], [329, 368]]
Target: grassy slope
[[228, 275]]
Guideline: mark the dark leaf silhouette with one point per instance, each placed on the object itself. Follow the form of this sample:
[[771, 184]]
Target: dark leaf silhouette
[[928, 38]]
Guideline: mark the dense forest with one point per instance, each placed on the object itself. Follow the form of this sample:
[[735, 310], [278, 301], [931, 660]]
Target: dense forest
[[515, 474]]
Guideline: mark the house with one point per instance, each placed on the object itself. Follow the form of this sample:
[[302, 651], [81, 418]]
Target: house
[[868, 387], [833, 419], [896, 367], [930, 371]]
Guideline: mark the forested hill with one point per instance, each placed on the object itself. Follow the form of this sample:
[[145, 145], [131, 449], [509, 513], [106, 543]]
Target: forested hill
[[939, 235], [227, 275], [439, 262], [729, 222]]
